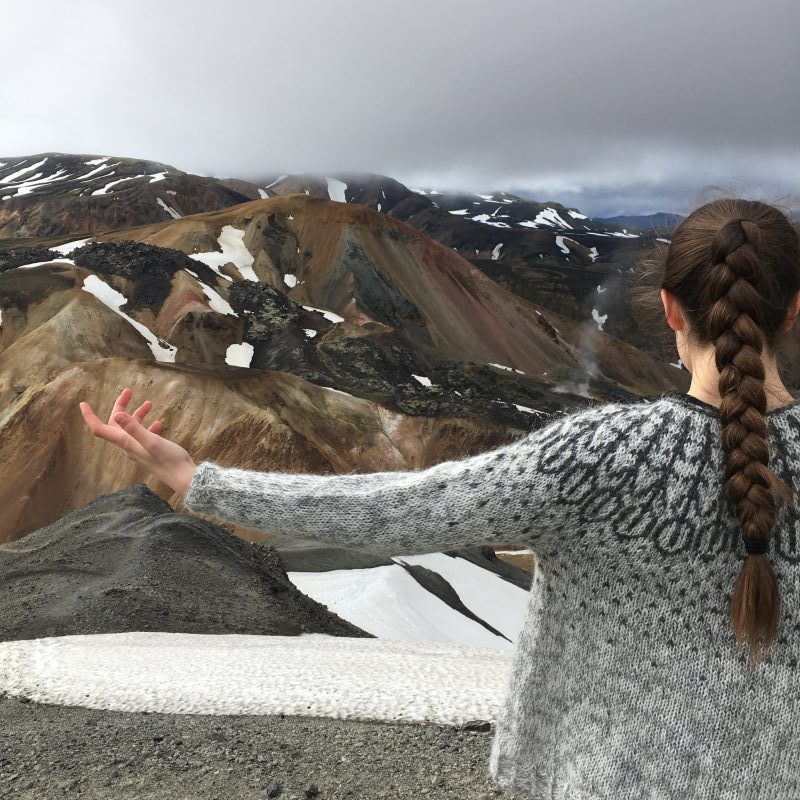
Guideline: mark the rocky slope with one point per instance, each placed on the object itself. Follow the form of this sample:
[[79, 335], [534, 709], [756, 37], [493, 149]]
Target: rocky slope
[[127, 562]]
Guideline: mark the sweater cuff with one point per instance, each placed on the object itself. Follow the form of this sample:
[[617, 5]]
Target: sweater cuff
[[200, 496]]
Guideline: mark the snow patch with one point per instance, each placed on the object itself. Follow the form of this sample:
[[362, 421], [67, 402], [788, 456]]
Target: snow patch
[[105, 189], [333, 317], [171, 211], [66, 248], [310, 332], [600, 289], [216, 301], [665, 241], [488, 596], [600, 319], [14, 175], [594, 254], [95, 161], [263, 195], [576, 215], [529, 410], [289, 279], [496, 252], [312, 675], [277, 181], [231, 242], [371, 598], [336, 190], [503, 366], [459, 212], [162, 351], [561, 245], [158, 176], [239, 355], [422, 379]]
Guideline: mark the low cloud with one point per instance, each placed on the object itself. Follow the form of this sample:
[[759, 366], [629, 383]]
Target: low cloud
[[619, 106]]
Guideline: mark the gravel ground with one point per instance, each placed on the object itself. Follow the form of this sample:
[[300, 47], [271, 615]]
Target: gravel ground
[[57, 751]]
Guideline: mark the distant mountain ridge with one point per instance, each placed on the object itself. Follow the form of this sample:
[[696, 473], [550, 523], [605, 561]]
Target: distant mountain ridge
[[645, 223]]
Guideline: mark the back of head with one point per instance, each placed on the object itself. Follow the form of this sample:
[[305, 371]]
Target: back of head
[[734, 265]]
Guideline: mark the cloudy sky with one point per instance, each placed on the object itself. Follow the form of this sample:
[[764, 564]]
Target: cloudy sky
[[615, 106]]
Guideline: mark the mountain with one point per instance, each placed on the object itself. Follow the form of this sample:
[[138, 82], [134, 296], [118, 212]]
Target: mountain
[[661, 223], [57, 194]]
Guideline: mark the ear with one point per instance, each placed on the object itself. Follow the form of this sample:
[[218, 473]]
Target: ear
[[791, 314], [672, 311]]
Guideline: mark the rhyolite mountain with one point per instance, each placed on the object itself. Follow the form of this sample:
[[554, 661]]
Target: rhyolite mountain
[[544, 252], [256, 327]]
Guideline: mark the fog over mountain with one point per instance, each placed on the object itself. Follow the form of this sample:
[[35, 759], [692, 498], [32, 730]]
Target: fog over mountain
[[619, 107]]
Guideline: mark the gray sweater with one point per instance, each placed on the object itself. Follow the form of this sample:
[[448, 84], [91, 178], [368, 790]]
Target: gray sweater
[[626, 681]]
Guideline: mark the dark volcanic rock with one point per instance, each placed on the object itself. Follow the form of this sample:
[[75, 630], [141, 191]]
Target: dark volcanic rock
[[129, 562], [149, 267], [434, 583], [25, 255]]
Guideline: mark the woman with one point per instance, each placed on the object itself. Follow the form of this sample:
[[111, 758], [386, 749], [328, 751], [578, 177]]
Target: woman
[[662, 547]]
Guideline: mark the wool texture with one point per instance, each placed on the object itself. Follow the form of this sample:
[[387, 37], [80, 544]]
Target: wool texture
[[626, 682]]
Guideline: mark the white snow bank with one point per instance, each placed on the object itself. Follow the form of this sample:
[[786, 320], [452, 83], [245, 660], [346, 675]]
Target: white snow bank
[[336, 190], [503, 366], [162, 351], [422, 379], [387, 602], [263, 195], [310, 332], [332, 316], [169, 209], [459, 212], [290, 280], [594, 254], [157, 176], [108, 186], [239, 355], [95, 161], [576, 215], [561, 245], [215, 300], [488, 596], [231, 242], [68, 247], [496, 252], [312, 675], [52, 261]]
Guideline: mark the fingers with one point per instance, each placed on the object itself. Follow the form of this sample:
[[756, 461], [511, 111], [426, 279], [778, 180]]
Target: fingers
[[142, 411], [134, 428], [121, 403], [110, 433], [155, 427]]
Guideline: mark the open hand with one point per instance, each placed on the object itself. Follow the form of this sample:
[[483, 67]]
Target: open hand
[[168, 461]]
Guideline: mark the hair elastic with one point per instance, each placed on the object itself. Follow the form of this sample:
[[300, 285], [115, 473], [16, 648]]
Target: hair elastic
[[756, 546]]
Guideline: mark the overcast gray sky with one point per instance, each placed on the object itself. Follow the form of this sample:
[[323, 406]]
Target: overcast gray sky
[[614, 106]]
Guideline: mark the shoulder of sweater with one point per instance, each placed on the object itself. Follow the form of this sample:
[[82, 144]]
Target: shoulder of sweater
[[619, 415]]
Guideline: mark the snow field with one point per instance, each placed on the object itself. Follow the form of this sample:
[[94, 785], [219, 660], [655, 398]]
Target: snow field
[[233, 249], [310, 675]]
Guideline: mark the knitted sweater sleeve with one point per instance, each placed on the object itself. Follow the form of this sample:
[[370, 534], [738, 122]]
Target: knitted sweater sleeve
[[522, 492]]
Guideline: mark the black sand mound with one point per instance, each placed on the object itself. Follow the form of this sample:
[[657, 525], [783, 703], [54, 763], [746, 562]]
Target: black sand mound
[[129, 562]]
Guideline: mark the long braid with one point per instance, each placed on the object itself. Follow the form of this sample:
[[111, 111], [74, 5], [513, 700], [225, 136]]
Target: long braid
[[735, 324]]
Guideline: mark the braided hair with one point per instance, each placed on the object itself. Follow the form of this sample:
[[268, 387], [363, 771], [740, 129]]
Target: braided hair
[[733, 266]]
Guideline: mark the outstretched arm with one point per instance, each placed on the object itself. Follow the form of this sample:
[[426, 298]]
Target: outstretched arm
[[521, 492]]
